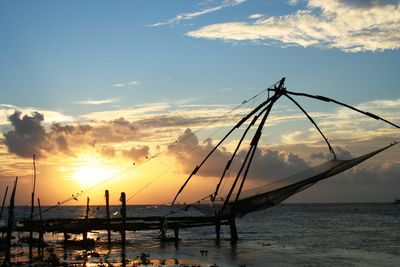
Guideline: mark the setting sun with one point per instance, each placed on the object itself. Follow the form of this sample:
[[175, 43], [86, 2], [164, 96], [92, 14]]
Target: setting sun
[[92, 170]]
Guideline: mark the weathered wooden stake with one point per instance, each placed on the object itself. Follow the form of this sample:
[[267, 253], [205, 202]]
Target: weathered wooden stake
[[107, 194], [4, 201], [123, 214], [10, 225], [32, 207], [176, 231], [218, 229], [66, 237], [232, 226], [163, 228], [84, 234], [40, 240]]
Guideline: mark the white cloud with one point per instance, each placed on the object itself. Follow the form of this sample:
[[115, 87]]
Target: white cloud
[[97, 102], [127, 84], [293, 2], [118, 85], [50, 116], [365, 26], [256, 16], [192, 15], [344, 124], [131, 113]]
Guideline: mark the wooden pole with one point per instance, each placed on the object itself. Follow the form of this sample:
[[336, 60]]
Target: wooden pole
[[123, 214], [163, 228], [232, 226], [108, 216], [4, 201], [176, 232], [218, 228], [32, 206], [40, 240], [10, 225], [84, 234]]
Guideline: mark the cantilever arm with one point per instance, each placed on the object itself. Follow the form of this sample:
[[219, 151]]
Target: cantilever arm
[[219, 143], [327, 99], [228, 164], [313, 122]]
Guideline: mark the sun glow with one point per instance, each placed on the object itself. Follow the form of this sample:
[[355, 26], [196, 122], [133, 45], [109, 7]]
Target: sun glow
[[93, 170]]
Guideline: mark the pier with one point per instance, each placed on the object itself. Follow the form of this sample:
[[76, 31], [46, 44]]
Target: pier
[[122, 224]]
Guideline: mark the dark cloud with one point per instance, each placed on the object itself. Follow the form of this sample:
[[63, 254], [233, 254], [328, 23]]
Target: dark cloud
[[341, 153], [318, 155], [266, 164], [28, 136], [273, 164], [137, 153], [385, 174], [368, 3]]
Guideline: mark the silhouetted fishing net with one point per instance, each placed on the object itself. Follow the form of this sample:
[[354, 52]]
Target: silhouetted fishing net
[[273, 193]]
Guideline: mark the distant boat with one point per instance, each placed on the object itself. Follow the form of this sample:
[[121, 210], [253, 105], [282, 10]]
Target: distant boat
[[396, 201]]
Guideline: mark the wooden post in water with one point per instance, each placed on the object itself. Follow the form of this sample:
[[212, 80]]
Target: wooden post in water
[[218, 228], [84, 234], [32, 207], [163, 228], [176, 232], [40, 240], [4, 201], [107, 194], [10, 225], [123, 214], [232, 226]]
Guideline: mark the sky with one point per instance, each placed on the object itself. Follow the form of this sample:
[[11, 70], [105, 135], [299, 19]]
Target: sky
[[131, 95]]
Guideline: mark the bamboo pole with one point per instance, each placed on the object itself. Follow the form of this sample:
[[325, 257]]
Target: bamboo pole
[[107, 194], [123, 214], [233, 230], [10, 225], [84, 234], [32, 206], [4, 201], [40, 240]]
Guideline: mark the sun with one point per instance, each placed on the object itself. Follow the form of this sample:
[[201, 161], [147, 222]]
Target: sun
[[92, 170]]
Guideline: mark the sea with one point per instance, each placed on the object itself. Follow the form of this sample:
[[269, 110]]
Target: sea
[[340, 234]]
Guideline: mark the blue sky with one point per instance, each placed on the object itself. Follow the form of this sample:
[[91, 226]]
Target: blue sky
[[81, 61], [58, 52]]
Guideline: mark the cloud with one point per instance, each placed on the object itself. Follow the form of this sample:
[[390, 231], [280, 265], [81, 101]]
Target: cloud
[[97, 102], [267, 164], [256, 16], [351, 26], [118, 85], [137, 153], [108, 152], [294, 2], [387, 173], [341, 153], [127, 84], [49, 115], [130, 113], [28, 136], [192, 15]]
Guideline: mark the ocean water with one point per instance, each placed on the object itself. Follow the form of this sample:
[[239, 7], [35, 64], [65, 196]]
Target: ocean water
[[362, 234]]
